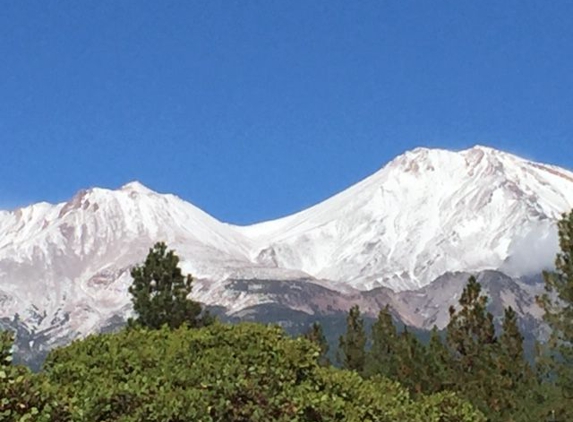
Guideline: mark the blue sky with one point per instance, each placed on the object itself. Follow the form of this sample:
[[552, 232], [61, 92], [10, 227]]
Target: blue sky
[[255, 109]]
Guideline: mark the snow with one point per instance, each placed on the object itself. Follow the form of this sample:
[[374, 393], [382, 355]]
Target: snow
[[417, 213], [425, 213], [137, 187]]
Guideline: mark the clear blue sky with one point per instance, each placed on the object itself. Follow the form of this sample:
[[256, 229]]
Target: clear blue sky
[[255, 109]]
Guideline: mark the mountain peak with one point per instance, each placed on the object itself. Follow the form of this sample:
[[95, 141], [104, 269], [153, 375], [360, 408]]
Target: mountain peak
[[421, 159], [435, 150], [135, 186], [484, 148]]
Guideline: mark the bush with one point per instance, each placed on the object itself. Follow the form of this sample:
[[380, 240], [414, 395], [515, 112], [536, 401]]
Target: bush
[[25, 396], [245, 372]]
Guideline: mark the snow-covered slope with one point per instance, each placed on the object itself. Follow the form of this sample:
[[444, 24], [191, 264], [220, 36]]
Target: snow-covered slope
[[425, 213], [72, 260], [64, 268]]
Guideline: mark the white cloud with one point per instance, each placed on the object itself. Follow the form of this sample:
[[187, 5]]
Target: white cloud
[[533, 251]]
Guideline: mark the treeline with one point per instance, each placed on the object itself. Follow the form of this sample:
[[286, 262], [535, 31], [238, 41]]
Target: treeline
[[487, 368], [175, 363]]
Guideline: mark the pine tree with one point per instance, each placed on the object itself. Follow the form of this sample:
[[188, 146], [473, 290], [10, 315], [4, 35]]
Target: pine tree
[[381, 358], [159, 292], [513, 365], [410, 362], [511, 340], [557, 302], [439, 364], [471, 328], [316, 335], [398, 356], [473, 345], [351, 346], [517, 383]]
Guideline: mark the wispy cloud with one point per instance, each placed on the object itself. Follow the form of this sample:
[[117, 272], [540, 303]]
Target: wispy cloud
[[533, 251]]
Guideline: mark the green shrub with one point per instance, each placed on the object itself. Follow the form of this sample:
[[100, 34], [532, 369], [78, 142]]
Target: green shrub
[[25, 396], [245, 372]]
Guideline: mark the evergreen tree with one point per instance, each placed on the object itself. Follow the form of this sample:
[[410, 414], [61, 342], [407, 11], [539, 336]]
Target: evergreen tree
[[351, 346], [471, 328], [513, 365], [518, 384], [398, 356], [316, 335], [381, 359], [439, 364], [511, 340], [410, 361], [159, 292], [473, 345], [557, 302]]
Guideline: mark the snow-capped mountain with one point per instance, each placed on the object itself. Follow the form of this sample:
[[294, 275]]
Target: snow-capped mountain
[[426, 213], [64, 268]]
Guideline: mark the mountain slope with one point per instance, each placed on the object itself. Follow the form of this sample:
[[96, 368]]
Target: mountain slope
[[64, 268], [71, 261], [425, 213]]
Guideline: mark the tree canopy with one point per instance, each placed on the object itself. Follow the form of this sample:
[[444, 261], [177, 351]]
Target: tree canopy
[[351, 345], [160, 292]]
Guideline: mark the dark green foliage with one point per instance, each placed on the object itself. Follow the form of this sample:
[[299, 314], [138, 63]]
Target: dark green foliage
[[511, 340], [352, 345], [471, 329], [402, 357], [316, 336], [244, 372], [487, 370], [381, 358], [520, 390], [412, 366], [439, 364], [512, 363], [490, 371], [557, 303], [160, 292], [398, 356], [477, 361]]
